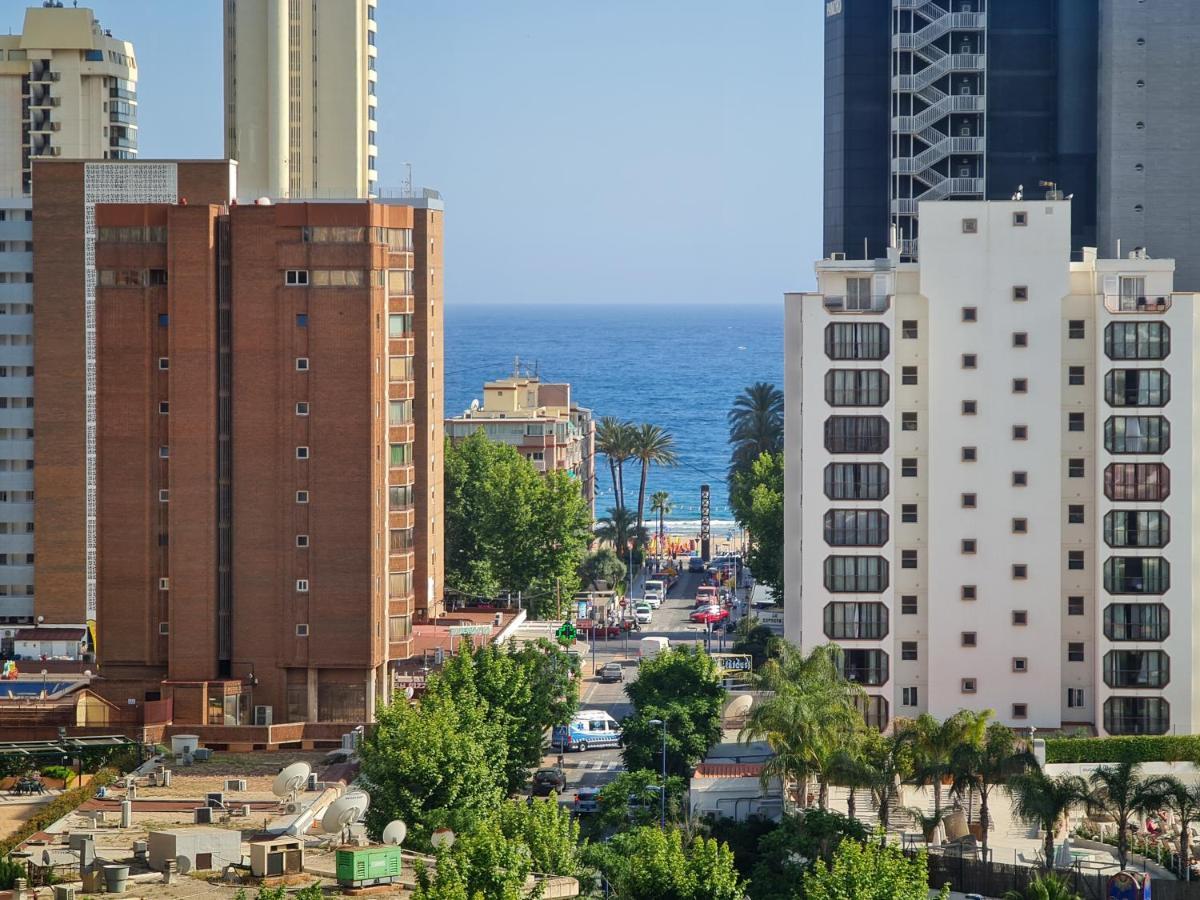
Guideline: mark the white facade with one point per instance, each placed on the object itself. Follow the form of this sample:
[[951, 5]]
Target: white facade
[[988, 493], [300, 97]]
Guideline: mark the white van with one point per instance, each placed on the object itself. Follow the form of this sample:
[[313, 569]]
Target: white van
[[652, 646], [588, 728]]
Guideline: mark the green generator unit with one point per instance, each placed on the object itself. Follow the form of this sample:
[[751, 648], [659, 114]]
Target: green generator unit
[[361, 866]]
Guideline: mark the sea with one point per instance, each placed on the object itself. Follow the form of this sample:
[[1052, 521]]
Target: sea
[[674, 365]]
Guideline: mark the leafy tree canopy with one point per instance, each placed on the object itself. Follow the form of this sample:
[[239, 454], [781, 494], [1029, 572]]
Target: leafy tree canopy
[[868, 871], [603, 565], [650, 864], [756, 497]]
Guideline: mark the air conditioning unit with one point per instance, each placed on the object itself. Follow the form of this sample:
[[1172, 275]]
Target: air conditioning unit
[[235, 784], [262, 715], [64, 892], [214, 799], [202, 815], [837, 255]]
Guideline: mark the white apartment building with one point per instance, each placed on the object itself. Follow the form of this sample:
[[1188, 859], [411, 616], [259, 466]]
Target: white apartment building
[[68, 89], [300, 97], [988, 491]]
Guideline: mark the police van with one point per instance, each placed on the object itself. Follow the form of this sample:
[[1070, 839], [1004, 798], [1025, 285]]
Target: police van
[[588, 728]]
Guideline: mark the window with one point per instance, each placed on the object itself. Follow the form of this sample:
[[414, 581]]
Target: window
[[856, 481], [856, 527], [1075, 421], [856, 574], [1137, 481], [1020, 526], [908, 559], [1020, 292], [164, 495], [1020, 571], [968, 546], [908, 513], [967, 685], [301, 496], [302, 540], [301, 631], [1137, 434], [1137, 715], [968, 592], [908, 374], [853, 434], [163, 364], [1076, 467], [970, 226], [1136, 669], [969, 407], [1137, 387], [970, 314], [968, 501], [908, 329], [302, 585], [1020, 617], [301, 363], [1020, 432], [1137, 528], [1020, 339], [908, 467], [400, 325], [301, 320], [1020, 386], [1020, 710], [1137, 622], [1020, 664], [1020, 479], [1075, 515], [969, 454], [1074, 698], [164, 452], [164, 407], [1075, 651], [302, 408], [1075, 375], [399, 454], [969, 360], [164, 627], [856, 387], [856, 340], [1075, 560], [858, 294], [908, 696], [295, 277], [163, 320], [1137, 340], [908, 605], [164, 584], [866, 667], [908, 421], [1137, 575], [856, 621], [301, 453], [1020, 219], [1074, 606], [908, 650], [968, 639]]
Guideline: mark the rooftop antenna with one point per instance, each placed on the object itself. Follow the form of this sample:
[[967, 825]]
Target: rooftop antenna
[[1052, 191], [408, 188]]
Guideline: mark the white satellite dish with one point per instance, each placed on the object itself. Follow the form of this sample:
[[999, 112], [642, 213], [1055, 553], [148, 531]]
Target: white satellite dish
[[291, 780], [395, 832], [345, 811], [47, 859], [409, 693], [442, 837], [183, 864]]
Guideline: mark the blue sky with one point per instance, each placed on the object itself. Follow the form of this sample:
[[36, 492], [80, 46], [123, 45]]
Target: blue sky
[[617, 151]]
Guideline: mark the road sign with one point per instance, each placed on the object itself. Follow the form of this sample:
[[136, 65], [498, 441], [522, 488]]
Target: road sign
[[463, 630], [734, 663], [624, 603]]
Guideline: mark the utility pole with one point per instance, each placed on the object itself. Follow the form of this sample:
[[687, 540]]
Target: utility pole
[[558, 597]]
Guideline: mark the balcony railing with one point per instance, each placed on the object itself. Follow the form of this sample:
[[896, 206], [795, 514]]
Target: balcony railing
[[839, 304], [1123, 303]]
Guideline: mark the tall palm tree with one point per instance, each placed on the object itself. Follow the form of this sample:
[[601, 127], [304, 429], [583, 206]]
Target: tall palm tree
[[1045, 801], [990, 764], [614, 439], [934, 744], [1183, 800], [755, 425], [660, 502], [1047, 887], [1121, 791], [651, 445], [616, 528]]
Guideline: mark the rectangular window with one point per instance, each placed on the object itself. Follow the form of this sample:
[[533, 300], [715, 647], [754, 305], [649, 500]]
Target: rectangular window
[[908, 467], [908, 421], [164, 407], [908, 559], [969, 454], [970, 361], [400, 325], [164, 495], [1075, 421], [1020, 386], [1020, 479], [163, 364], [301, 363], [1074, 698], [908, 605], [301, 631], [400, 368], [301, 320], [1074, 606], [1075, 514], [1075, 652], [968, 546], [908, 375], [967, 685], [164, 584], [908, 329], [970, 407], [163, 320], [1075, 375], [908, 650], [1020, 571], [1075, 329], [1020, 526], [1020, 292], [1020, 339], [301, 453], [1020, 617], [908, 696], [399, 412], [968, 592], [164, 627], [1076, 468], [302, 408], [164, 452], [301, 496], [302, 540], [1020, 432], [295, 277], [302, 585], [970, 314], [969, 639], [968, 501], [908, 513], [1075, 560], [1020, 664], [970, 226], [1020, 219], [399, 454], [1020, 710]]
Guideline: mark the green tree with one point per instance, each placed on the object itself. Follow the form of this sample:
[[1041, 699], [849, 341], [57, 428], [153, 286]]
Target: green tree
[[617, 529], [660, 503], [756, 498], [1045, 887], [614, 439], [633, 798], [550, 834], [1121, 791], [602, 566], [987, 765], [653, 445], [788, 851], [755, 425], [1044, 801], [934, 744], [1182, 799], [757, 639], [482, 864], [509, 527], [868, 871], [681, 687], [650, 864]]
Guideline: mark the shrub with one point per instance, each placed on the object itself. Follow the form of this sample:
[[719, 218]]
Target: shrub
[[62, 773], [1136, 748]]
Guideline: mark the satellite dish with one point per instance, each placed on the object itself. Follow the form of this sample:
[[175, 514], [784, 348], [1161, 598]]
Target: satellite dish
[[183, 864], [395, 832], [442, 837], [291, 779], [46, 858], [409, 693], [345, 811]]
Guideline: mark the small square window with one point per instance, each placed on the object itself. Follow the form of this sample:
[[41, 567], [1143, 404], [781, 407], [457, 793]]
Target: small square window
[[968, 501], [1076, 468], [302, 408], [908, 559], [969, 454], [968, 592], [163, 363], [970, 361], [1020, 219], [1020, 479], [908, 421], [164, 452], [1074, 698], [1020, 292], [908, 650], [1020, 339], [301, 453], [1076, 329], [164, 628], [1075, 375], [908, 605], [1020, 432], [295, 277], [1075, 421], [1075, 560], [302, 540], [908, 375], [1075, 652], [968, 639], [164, 407], [970, 314], [969, 407], [301, 363], [1020, 386], [1075, 514], [908, 467], [908, 513], [908, 696], [301, 496], [1020, 710], [163, 319], [164, 495], [301, 631], [967, 685], [1020, 526], [301, 320], [908, 329], [302, 585], [164, 584], [968, 545], [1074, 606], [1020, 664], [1020, 617], [1020, 571], [970, 226]]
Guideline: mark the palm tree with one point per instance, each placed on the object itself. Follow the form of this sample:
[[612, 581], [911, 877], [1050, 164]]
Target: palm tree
[[874, 763], [1045, 801], [1183, 800], [651, 444], [934, 745], [616, 528], [982, 767], [614, 439], [660, 502], [1046, 887], [1121, 791], [755, 425]]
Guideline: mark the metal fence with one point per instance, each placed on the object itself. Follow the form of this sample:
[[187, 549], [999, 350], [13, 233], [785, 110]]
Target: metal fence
[[995, 879]]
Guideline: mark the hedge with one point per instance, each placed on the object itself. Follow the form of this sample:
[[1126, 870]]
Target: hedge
[[64, 803], [1136, 748]]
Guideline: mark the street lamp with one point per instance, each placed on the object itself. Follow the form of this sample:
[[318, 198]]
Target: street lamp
[[663, 793], [630, 571]]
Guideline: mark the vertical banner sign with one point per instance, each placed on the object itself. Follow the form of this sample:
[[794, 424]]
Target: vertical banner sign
[[705, 524]]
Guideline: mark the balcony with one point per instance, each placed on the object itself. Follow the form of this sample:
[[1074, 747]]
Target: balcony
[[1126, 304], [38, 76], [46, 150], [838, 304], [44, 99]]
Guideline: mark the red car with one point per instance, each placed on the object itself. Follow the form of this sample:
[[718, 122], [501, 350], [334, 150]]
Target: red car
[[586, 628], [710, 614]]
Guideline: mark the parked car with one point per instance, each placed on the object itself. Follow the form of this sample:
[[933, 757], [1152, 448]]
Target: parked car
[[611, 672], [587, 800], [655, 592], [641, 612], [710, 615], [548, 781], [695, 564]]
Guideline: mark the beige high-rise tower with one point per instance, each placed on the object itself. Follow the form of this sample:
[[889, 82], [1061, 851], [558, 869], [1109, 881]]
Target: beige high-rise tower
[[300, 97]]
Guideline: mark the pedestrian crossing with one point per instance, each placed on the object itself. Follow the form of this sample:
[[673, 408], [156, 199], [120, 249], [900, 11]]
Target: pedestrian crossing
[[596, 765]]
